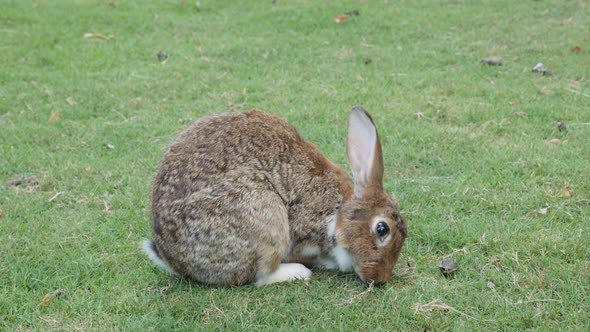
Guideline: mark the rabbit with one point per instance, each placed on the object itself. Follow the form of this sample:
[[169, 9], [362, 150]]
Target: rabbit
[[242, 198]]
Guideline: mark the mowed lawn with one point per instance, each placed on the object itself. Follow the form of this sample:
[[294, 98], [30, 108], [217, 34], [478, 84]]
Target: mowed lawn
[[490, 164]]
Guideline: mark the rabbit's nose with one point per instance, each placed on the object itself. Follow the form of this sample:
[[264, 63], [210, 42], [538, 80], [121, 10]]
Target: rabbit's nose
[[375, 277]]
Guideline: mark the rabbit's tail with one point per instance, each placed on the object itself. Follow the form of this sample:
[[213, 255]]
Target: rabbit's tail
[[150, 249]]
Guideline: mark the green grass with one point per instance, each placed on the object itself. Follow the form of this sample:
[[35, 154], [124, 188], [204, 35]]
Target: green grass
[[466, 152]]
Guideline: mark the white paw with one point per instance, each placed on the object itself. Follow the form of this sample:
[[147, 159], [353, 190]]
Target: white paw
[[285, 272]]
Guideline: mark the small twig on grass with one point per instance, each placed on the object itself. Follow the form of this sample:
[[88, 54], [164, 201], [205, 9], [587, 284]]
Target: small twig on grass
[[578, 92], [98, 36], [107, 209], [54, 197], [463, 250], [359, 295], [537, 300], [14, 31], [439, 305]]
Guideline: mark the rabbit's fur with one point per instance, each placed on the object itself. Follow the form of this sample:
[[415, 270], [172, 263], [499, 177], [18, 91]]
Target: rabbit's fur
[[241, 198]]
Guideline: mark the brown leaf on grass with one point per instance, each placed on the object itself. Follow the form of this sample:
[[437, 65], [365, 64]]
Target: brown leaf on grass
[[576, 49], [55, 117], [554, 141], [564, 191], [29, 180], [341, 18], [345, 16], [91, 35], [70, 101], [46, 300], [419, 115]]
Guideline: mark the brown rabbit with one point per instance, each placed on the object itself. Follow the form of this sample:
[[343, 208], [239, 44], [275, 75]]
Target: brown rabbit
[[243, 198]]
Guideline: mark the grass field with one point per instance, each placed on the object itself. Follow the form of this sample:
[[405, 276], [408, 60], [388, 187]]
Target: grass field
[[473, 153]]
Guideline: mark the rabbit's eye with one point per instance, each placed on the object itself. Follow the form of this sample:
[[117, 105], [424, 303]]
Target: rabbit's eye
[[382, 229]]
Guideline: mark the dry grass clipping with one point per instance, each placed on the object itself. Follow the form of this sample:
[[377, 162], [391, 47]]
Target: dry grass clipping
[[355, 297], [212, 311], [437, 304]]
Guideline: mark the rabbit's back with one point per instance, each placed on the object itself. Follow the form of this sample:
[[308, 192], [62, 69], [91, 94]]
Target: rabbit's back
[[246, 149]]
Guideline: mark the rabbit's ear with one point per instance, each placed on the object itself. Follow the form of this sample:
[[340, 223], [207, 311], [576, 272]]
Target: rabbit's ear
[[364, 152]]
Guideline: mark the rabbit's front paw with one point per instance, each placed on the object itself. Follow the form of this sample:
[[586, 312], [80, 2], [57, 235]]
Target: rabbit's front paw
[[285, 272]]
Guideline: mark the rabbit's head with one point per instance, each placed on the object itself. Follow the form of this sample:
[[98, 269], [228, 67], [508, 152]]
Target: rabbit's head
[[369, 225]]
